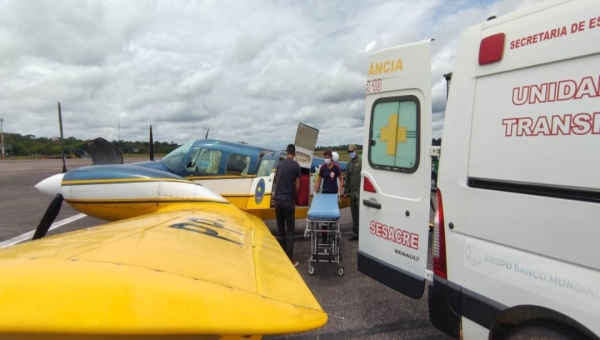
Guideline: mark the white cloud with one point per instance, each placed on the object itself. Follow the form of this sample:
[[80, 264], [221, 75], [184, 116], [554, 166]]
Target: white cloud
[[249, 70]]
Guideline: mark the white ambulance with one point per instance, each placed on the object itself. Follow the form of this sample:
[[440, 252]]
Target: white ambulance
[[516, 243]]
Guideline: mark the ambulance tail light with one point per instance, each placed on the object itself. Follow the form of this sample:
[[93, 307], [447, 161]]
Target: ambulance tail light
[[368, 186], [439, 240], [491, 49]]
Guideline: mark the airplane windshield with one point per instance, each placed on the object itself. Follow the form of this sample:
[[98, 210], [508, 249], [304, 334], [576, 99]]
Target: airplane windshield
[[174, 158]]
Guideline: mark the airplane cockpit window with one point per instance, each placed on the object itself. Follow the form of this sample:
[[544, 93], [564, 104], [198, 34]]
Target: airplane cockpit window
[[265, 167], [203, 161], [174, 158], [237, 164]]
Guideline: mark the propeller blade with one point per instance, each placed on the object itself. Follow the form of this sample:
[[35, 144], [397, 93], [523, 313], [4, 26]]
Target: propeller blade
[[151, 145], [48, 218], [62, 140], [205, 137]]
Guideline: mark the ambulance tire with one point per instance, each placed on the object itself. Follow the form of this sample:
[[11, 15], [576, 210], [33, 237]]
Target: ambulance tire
[[543, 330]]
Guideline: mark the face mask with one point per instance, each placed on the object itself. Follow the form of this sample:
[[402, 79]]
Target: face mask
[[327, 161], [352, 155]]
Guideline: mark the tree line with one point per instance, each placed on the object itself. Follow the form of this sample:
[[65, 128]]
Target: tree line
[[435, 142], [337, 147], [30, 145]]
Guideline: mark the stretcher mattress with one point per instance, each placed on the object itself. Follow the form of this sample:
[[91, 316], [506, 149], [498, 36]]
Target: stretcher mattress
[[324, 207]]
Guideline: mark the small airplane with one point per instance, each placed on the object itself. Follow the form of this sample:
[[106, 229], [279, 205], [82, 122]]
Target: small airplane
[[241, 173], [179, 261]]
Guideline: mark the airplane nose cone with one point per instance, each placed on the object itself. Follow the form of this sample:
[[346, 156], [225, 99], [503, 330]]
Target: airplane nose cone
[[51, 185]]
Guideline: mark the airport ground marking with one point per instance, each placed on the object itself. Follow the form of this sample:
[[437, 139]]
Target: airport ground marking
[[28, 235]]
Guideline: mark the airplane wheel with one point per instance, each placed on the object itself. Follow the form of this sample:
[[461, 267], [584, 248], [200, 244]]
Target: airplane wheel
[[341, 271], [311, 270]]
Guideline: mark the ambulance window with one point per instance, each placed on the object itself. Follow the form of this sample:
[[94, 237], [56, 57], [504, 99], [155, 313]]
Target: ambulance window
[[394, 134]]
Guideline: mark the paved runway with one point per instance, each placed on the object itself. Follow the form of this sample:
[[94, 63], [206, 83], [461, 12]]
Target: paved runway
[[358, 307]]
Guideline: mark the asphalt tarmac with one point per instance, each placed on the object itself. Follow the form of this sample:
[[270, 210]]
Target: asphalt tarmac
[[358, 307]]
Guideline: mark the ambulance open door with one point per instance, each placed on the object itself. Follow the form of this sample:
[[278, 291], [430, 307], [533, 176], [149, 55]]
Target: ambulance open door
[[396, 169]]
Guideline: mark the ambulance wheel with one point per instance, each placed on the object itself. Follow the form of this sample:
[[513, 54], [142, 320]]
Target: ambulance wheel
[[311, 270], [341, 271], [543, 330]]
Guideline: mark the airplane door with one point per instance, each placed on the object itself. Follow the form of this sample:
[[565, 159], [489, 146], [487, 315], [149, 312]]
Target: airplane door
[[305, 142], [396, 169], [263, 184]]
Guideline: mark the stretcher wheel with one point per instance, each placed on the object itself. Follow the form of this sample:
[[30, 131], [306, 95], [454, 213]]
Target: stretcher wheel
[[341, 271], [311, 270]]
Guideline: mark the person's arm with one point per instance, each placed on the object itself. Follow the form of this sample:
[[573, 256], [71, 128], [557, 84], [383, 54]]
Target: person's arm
[[318, 181], [347, 183], [298, 181], [341, 181]]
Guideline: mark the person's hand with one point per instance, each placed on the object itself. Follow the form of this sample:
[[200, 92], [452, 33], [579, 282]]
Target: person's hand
[[344, 195]]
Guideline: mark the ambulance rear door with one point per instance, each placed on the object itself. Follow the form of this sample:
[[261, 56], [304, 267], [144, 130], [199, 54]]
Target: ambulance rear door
[[396, 176]]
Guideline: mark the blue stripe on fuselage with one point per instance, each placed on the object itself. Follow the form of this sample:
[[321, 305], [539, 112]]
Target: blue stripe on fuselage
[[115, 171], [158, 165]]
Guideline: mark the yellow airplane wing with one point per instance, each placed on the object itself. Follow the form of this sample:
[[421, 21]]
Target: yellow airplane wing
[[207, 269]]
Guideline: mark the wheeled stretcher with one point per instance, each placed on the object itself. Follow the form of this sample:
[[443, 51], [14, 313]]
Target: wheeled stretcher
[[323, 228]]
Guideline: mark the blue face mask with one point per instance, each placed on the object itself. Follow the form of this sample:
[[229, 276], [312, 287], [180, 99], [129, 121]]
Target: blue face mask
[[352, 155]]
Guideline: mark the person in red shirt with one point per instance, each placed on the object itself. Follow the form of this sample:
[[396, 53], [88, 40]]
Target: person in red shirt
[[330, 173]]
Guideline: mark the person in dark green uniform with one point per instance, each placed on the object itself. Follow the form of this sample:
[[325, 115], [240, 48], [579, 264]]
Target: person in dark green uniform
[[352, 187]]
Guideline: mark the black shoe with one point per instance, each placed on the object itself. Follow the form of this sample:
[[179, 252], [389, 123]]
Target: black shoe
[[353, 238]]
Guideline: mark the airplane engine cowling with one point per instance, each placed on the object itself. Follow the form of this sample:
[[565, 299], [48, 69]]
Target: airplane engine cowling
[[115, 192]]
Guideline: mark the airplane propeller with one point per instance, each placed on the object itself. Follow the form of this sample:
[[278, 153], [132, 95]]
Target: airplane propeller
[[49, 217], [205, 137], [151, 145], [54, 207], [62, 140]]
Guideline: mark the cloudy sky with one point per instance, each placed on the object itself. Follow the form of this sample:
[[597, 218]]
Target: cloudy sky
[[246, 70]]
